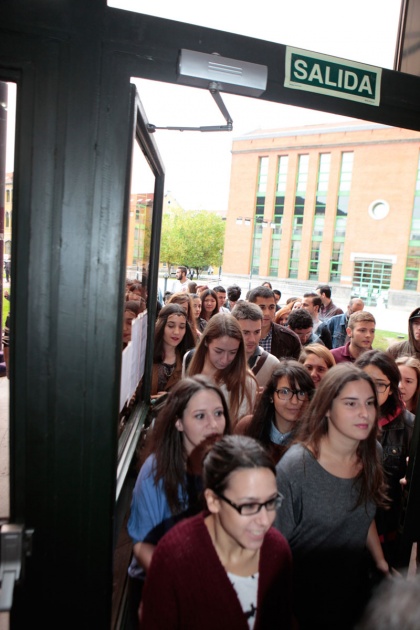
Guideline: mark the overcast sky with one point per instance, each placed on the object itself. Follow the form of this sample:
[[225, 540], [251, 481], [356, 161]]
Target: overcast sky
[[197, 164]]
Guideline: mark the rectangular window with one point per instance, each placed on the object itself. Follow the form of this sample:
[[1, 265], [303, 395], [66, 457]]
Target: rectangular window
[[318, 229], [282, 174], [275, 256], [314, 261], [336, 262], [323, 172], [294, 259], [302, 178], [412, 264], [262, 176], [412, 269]]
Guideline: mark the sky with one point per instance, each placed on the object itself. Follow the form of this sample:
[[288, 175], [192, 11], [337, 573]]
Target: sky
[[197, 165]]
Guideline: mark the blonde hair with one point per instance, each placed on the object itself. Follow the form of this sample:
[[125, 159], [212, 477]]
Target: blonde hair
[[320, 351], [413, 363]]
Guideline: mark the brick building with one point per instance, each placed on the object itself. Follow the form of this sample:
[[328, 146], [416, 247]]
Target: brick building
[[336, 203]]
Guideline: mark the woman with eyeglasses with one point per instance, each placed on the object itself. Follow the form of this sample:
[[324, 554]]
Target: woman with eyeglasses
[[332, 482], [396, 424], [280, 408], [226, 567]]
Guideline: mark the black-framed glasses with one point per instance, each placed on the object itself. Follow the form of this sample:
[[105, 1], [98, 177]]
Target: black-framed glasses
[[248, 509], [285, 393], [381, 387]]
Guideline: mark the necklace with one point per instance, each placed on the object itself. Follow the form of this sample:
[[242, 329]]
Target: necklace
[[168, 369]]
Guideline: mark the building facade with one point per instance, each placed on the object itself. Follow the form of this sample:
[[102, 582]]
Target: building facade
[[336, 204]]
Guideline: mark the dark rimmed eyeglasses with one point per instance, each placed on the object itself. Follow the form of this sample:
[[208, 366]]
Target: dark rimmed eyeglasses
[[285, 393], [381, 387], [248, 509]]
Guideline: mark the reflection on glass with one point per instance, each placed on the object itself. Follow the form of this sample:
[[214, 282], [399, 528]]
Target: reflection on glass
[[7, 145], [134, 335]]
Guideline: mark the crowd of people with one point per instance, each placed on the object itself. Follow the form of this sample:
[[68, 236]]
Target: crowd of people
[[270, 485]]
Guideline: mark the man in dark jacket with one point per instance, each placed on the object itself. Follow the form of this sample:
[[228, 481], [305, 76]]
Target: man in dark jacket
[[411, 347], [280, 341]]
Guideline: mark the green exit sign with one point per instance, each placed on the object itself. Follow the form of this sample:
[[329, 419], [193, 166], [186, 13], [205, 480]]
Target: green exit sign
[[314, 72]]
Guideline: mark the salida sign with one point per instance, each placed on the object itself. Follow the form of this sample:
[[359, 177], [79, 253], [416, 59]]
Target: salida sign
[[314, 72]]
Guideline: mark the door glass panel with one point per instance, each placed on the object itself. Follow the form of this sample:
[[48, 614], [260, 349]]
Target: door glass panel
[[7, 144], [143, 204]]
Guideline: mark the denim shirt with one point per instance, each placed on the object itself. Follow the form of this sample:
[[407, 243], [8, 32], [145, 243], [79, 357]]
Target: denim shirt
[[337, 326]]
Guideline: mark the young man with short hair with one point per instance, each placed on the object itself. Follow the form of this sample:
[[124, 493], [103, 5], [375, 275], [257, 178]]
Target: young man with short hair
[[261, 363], [277, 296], [221, 299], [278, 340], [328, 308], [233, 295], [300, 321], [338, 324], [181, 282], [361, 332], [312, 302]]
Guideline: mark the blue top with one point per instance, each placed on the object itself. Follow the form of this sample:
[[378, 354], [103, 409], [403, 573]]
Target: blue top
[[150, 516]]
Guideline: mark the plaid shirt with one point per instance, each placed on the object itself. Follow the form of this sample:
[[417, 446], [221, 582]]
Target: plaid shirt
[[266, 342]]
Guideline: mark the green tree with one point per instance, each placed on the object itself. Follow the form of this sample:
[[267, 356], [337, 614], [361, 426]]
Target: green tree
[[192, 238]]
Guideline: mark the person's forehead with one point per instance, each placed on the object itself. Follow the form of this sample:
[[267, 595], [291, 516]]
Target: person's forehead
[[303, 331], [364, 324], [268, 301], [250, 324]]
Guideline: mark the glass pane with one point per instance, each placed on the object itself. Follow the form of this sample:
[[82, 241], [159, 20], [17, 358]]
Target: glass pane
[[7, 146]]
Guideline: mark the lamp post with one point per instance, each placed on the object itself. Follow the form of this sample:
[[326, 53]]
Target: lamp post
[[220, 265]]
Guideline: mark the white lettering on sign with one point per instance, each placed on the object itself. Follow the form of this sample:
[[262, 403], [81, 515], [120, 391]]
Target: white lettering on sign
[[315, 72]]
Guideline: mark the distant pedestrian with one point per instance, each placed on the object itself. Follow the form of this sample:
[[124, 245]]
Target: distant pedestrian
[[7, 266], [328, 308]]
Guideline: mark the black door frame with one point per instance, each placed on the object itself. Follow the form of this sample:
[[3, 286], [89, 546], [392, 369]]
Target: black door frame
[[72, 61]]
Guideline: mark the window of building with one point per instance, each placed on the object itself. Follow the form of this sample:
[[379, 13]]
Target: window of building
[[256, 249], [318, 229], [8, 196], [336, 262], [346, 173], [370, 279], [275, 256], [7, 219], [262, 176], [282, 174], [412, 269], [294, 259], [412, 264], [302, 178], [314, 261]]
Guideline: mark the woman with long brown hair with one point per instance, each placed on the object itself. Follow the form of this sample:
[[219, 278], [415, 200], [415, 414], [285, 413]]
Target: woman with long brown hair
[[280, 408], [332, 480], [209, 307], [167, 490], [220, 356], [173, 337]]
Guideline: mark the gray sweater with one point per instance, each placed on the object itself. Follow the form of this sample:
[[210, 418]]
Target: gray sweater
[[327, 535]]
